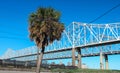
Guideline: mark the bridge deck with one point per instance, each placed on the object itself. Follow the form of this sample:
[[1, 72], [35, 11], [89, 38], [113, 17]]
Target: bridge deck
[[83, 55], [86, 55], [79, 47]]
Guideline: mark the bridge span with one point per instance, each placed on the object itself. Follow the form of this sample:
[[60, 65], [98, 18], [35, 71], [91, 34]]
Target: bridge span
[[79, 40]]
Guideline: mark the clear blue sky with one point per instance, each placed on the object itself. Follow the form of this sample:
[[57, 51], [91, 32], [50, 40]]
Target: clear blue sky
[[14, 18]]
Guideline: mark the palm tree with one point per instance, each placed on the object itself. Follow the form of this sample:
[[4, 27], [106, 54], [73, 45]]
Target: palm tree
[[44, 28]]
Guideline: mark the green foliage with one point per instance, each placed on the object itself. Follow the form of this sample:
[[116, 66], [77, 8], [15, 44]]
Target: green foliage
[[45, 27], [84, 71]]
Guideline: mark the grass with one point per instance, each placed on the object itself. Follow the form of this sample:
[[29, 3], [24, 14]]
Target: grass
[[84, 71], [64, 70]]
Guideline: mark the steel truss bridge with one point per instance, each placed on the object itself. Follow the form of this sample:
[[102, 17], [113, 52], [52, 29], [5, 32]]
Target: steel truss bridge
[[78, 40]]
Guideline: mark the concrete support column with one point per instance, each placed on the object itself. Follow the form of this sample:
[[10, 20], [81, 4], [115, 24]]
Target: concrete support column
[[73, 56], [79, 59], [101, 61], [106, 62]]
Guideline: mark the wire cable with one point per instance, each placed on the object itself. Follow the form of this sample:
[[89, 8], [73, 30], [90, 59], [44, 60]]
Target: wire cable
[[11, 33], [104, 13], [14, 38]]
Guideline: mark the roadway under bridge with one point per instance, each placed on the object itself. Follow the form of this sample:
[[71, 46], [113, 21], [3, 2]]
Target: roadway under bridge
[[78, 40]]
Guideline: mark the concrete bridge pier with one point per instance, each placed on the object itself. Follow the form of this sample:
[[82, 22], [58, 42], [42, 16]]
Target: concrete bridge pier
[[79, 59], [106, 62], [101, 61], [73, 56]]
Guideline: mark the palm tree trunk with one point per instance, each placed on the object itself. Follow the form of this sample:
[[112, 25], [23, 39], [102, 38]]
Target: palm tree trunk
[[40, 60], [38, 49]]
